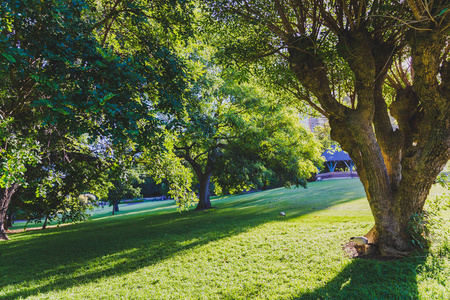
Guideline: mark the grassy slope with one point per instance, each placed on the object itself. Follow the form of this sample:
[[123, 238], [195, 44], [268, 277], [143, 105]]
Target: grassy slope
[[242, 250]]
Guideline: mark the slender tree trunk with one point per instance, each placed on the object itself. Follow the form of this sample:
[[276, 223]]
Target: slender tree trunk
[[8, 218], [6, 223], [45, 222], [203, 195], [5, 199], [115, 208]]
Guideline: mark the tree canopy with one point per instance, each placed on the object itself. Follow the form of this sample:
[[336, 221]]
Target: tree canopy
[[242, 137], [69, 69], [126, 82]]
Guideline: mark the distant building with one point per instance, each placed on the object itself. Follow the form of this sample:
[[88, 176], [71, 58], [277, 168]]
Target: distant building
[[311, 123], [337, 159], [335, 156]]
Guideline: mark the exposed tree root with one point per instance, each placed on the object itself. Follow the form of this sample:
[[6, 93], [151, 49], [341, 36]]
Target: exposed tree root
[[353, 250]]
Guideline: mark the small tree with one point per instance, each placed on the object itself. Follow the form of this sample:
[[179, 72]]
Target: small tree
[[124, 183], [56, 184]]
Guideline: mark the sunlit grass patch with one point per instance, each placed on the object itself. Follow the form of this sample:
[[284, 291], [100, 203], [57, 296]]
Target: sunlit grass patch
[[242, 250]]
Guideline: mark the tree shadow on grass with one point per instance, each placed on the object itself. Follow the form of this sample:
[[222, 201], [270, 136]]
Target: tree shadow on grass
[[373, 279], [58, 259], [61, 258], [299, 201]]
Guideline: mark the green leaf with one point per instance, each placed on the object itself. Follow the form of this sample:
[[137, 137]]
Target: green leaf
[[9, 57]]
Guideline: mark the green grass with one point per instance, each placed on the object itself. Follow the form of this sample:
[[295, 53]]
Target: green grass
[[241, 250]]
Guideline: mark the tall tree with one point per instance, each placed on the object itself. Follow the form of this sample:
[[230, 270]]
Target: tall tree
[[232, 128], [125, 180], [64, 69], [318, 42]]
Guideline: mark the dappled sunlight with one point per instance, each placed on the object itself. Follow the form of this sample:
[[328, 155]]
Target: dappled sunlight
[[121, 245], [242, 250]]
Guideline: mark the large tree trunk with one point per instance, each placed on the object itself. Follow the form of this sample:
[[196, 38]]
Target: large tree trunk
[[397, 166], [5, 199], [393, 198], [203, 195]]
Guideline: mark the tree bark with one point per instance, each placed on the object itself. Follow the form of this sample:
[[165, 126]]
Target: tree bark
[[397, 167], [5, 199], [115, 208], [9, 222], [45, 222], [204, 195]]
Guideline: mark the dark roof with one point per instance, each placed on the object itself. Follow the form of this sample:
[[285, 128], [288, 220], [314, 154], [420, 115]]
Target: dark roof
[[335, 155]]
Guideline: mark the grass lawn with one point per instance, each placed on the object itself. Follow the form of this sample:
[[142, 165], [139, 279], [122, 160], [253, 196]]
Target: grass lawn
[[241, 250]]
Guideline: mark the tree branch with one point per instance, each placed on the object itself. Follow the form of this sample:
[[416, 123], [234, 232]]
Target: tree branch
[[286, 24], [415, 10]]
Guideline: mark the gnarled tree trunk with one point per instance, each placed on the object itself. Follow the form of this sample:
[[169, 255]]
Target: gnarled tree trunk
[[397, 166], [319, 39], [5, 199]]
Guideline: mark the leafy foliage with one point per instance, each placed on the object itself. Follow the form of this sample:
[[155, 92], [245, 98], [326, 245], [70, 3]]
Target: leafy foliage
[[164, 166], [66, 171], [124, 180], [83, 69], [426, 227], [15, 154], [240, 134]]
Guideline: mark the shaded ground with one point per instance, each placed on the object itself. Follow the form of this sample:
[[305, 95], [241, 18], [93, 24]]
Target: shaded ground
[[242, 250]]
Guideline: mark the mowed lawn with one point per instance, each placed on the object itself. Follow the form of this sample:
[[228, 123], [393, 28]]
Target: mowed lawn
[[241, 250]]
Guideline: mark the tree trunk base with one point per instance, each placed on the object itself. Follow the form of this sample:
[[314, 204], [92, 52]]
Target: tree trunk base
[[371, 252], [380, 247], [205, 208], [387, 246], [387, 251], [3, 236]]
